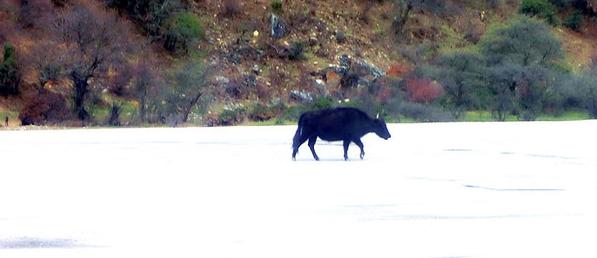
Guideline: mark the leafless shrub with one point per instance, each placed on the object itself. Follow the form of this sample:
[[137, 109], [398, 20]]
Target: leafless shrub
[[231, 8]]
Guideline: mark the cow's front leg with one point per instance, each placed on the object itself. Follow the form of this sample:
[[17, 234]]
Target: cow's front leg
[[360, 144], [346, 143], [312, 141]]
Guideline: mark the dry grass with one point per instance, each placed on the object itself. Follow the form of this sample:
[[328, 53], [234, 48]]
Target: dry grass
[[579, 48]]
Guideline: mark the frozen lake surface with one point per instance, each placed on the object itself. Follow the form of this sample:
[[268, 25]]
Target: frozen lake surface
[[432, 190]]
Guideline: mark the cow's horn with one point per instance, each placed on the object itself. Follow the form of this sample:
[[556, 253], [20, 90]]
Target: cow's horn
[[377, 116]]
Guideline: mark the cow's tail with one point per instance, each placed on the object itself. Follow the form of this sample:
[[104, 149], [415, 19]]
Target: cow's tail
[[299, 131]]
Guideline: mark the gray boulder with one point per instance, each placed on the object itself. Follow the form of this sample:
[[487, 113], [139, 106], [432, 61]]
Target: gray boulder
[[278, 27], [340, 37], [365, 68], [354, 72], [301, 96]]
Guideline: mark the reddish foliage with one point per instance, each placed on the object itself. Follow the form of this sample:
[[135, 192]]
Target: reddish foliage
[[423, 90], [333, 82], [382, 90], [42, 107], [332, 76], [397, 70]]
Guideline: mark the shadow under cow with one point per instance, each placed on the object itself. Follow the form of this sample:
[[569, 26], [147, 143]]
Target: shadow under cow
[[32, 243]]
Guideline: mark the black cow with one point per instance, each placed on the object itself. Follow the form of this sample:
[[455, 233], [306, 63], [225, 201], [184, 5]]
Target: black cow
[[338, 124]]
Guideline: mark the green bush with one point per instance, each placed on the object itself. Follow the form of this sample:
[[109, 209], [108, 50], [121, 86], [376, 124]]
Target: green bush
[[462, 76], [522, 40], [184, 30], [151, 15], [260, 112], [232, 115], [424, 113], [531, 91], [9, 74], [588, 90], [502, 85], [294, 112], [297, 51], [322, 103], [184, 91], [574, 21], [540, 8], [276, 5]]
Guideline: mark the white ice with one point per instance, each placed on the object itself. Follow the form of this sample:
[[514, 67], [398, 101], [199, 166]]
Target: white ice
[[432, 190]]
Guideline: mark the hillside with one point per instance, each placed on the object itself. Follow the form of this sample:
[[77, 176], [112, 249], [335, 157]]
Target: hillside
[[228, 62]]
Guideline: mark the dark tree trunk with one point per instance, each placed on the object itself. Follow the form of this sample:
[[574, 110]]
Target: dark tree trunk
[[187, 110], [114, 115], [459, 102], [400, 20], [143, 104], [142, 109], [592, 103], [81, 88]]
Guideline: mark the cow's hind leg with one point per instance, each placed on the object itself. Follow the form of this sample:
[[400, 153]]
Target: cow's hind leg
[[298, 141], [312, 141], [360, 144], [346, 144]]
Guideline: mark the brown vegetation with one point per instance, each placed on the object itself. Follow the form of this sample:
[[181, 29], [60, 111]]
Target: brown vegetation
[[175, 61]]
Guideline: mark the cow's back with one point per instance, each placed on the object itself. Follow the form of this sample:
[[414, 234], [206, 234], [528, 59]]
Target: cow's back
[[336, 124]]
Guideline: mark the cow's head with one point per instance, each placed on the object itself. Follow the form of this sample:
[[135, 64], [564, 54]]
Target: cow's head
[[379, 127]]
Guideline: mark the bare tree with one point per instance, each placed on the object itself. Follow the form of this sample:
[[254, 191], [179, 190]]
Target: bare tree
[[30, 10], [145, 85], [45, 60], [93, 42], [402, 10], [188, 85], [190, 81]]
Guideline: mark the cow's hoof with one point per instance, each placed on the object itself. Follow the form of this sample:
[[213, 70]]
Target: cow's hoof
[[293, 159]]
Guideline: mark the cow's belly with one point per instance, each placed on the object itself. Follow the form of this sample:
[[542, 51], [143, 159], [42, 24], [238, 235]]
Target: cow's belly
[[330, 138], [334, 136]]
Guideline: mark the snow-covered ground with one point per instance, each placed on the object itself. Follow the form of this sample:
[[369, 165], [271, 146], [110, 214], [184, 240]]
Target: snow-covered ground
[[432, 190]]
